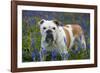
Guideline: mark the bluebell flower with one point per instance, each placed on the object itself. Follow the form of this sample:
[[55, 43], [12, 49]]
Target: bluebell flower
[[43, 50], [31, 20], [78, 49], [83, 25], [36, 55], [39, 56], [33, 43], [86, 17], [65, 56], [74, 51], [33, 56], [53, 55]]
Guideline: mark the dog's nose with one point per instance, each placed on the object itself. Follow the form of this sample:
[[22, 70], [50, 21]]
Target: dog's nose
[[48, 31]]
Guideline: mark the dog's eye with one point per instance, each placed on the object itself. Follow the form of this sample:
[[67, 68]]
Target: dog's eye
[[53, 28], [44, 28]]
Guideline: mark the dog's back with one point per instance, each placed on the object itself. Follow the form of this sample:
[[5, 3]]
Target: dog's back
[[74, 31]]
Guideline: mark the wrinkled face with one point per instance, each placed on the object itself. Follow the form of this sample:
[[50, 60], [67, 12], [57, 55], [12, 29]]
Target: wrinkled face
[[48, 30]]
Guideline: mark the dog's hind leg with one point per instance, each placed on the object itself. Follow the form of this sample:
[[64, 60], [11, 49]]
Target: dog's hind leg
[[83, 42], [77, 45], [80, 43]]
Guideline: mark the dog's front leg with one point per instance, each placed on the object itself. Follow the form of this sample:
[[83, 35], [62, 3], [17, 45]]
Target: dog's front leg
[[43, 53], [41, 56]]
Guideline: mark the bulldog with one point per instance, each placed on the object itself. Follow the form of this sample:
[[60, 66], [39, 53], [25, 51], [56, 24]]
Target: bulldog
[[61, 38]]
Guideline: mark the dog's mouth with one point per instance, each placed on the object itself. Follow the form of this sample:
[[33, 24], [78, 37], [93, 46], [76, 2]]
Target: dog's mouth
[[49, 38]]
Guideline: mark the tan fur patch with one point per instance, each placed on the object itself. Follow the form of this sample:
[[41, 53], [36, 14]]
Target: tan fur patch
[[76, 29], [67, 37]]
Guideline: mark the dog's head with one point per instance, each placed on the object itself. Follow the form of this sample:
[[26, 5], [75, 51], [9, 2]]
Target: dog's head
[[49, 30]]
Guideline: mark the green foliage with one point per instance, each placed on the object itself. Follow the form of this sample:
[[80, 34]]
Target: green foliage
[[79, 55]]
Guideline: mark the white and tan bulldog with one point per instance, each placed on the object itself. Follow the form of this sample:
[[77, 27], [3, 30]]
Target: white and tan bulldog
[[61, 38]]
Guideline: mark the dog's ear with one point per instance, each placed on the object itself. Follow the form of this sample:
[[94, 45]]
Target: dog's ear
[[56, 22], [41, 21]]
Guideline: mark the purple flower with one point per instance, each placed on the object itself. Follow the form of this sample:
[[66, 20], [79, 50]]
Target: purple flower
[[33, 43], [75, 51], [53, 55], [78, 49], [43, 50], [36, 55], [33, 56], [65, 56]]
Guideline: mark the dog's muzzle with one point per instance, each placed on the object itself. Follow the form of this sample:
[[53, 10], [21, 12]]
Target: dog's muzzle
[[49, 36]]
